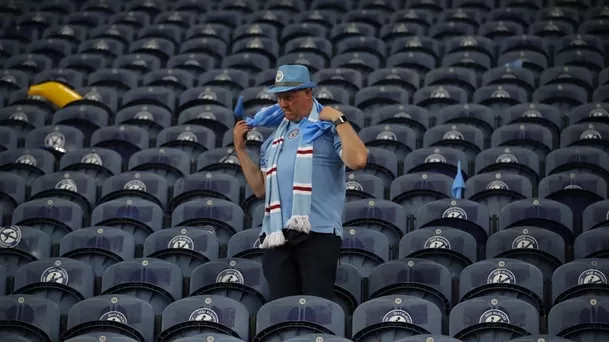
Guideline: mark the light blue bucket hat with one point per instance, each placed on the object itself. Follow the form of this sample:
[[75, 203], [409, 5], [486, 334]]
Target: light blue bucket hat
[[290, 78]]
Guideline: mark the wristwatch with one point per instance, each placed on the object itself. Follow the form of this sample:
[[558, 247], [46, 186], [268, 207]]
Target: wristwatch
[[341, 120]]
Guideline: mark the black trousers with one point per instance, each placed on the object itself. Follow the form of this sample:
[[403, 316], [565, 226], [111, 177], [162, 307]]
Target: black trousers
[[303, 266]]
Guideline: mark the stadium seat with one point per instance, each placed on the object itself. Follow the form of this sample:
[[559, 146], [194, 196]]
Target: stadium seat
[[56, 217], [412, 277], [12, 191], [238, 279], [469, 216], [21, 245], [413, 190], [293, 316], [159, 282], [245, 245], [564, 318], [494, 317], [99, 163], [74, 187], [29, 316], [221, 218], [348, 288], [135, 216], [503, 277], [443, 160], [205, 314], [123, 315], [496, 190], [578, 279], [143, 185], [384, 216], [186, 247], [22, 119], [98, 247], [63, 281], [453, 248], [537, 246], [397, 316]]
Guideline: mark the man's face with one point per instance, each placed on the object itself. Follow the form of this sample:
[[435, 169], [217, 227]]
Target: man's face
[[294, 104]]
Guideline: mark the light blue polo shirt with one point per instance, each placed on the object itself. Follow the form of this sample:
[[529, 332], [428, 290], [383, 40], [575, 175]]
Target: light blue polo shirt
[[328, 184]]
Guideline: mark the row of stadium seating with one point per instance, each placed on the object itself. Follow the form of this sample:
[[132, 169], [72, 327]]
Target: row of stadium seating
[[223, 294], [344, 86]]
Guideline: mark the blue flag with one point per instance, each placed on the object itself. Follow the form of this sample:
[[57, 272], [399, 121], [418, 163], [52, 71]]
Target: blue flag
[[458, 183], [239, 110]]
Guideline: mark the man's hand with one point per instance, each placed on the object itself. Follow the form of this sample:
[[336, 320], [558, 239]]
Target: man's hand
[[329, 114], [239, 135]]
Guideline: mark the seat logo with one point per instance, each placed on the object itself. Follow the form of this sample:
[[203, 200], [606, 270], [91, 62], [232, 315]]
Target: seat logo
[[92, 158], [204, 314], [397, 315], [455, 212], [67, 185], [135, 185], [501, 276], [592, 276], [354, 186], [54, 275], [10, 236], [26, 159], [230, 276], [55, 140], [437, 242], [494, 316], [525, 242], [181, 242], [114, 316], [497, 185]]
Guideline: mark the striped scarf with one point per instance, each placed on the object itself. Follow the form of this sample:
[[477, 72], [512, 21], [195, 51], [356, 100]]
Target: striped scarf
[[311, 128]]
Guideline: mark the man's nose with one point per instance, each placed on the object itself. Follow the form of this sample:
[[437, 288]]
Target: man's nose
[[282, 103]]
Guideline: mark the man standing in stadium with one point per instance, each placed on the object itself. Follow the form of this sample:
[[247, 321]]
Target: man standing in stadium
[[301, 176]]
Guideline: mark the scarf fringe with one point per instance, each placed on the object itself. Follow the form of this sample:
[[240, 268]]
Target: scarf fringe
[[299, 223], [273, 240]]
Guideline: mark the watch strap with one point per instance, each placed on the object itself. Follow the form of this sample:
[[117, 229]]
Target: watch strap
[[342, 119]]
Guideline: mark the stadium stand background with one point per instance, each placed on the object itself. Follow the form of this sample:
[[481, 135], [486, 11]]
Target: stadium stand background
[[125, 216]]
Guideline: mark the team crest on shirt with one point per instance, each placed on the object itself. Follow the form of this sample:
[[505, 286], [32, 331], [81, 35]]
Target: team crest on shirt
[[293, 133]]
